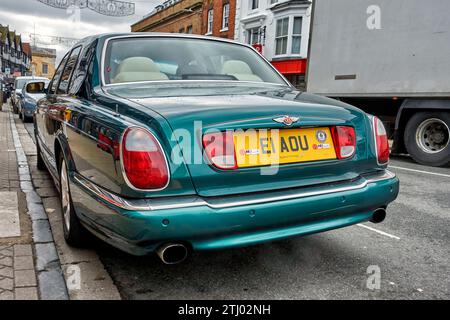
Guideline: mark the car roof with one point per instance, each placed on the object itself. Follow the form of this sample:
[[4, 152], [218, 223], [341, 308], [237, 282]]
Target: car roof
[[105, 36]]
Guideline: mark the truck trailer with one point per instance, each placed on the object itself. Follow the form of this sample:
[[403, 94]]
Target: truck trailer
[[390, 58]]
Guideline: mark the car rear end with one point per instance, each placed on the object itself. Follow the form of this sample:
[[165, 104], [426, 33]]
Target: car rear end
[[332, 175], [263, 161]]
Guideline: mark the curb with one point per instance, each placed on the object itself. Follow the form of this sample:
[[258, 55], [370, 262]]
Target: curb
[[52, 285]]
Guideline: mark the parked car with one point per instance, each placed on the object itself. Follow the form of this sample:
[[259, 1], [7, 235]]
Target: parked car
[[172, 143], [19, 82], [32, 91]]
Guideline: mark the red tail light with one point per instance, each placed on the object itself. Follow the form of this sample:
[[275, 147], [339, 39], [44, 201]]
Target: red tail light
[[344, 139], [143, 160], [381, 141], [219, 148]]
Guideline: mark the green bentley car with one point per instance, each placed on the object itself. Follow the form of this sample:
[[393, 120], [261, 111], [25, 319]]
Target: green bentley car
[[172, 143]]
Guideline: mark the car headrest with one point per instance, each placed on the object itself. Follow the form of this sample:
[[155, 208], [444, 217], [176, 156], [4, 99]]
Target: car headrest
[[236, 67], [240, 70], [137, 64], [138, 69]]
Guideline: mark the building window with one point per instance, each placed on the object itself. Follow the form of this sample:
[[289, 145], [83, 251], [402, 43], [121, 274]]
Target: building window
[[189, 29], [181, 30], [253, 36], [297, 35], [210, 20], [225, 16], [44, 68], [254, 4], [281, 36]]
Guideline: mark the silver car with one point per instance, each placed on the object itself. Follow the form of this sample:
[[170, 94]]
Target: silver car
[[31, 92], [19, 82]]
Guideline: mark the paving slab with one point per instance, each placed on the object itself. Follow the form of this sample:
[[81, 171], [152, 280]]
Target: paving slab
[[9, 215], [23, 263], [22, 250], [7, 295], [27, 293], [25, 278]]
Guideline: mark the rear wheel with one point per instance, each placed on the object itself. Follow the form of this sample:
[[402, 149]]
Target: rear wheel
[[40, 161], [427, 138], [74, 233]]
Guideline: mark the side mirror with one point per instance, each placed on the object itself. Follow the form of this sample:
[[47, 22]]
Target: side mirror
[[36, 87]]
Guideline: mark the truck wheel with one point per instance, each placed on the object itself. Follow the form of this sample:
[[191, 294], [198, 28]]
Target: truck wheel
[[427, 138]]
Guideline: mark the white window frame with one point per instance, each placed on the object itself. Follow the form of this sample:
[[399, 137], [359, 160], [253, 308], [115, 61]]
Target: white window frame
[[44, 66], [282, 36], [225, 17], [250, 5], [250, 36], [298, 35], [210, 21], [289, 36]]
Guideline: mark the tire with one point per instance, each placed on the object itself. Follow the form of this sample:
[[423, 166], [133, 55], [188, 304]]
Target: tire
[[25, 119], [40, 161], [427, 138], [74, 233]]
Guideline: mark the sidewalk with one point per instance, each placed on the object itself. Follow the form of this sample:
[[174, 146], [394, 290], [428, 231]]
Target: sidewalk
[[29, 264], [17, 269], [62, 272]]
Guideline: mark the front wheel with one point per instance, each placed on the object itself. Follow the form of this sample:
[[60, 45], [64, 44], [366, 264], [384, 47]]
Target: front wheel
[[74, 233], [427, 138]]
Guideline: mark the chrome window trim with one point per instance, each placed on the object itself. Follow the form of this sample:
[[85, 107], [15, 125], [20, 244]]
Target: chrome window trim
[[185, 36], [196, 201]]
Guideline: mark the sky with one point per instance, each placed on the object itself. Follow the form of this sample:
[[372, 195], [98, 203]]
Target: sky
[[25, 16]]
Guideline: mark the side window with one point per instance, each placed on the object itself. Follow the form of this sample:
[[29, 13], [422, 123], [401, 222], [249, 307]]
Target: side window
[[81, 72], [66, 74], [57, 76]]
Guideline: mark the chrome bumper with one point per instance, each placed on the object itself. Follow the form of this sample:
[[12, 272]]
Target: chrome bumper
[[232, 200]]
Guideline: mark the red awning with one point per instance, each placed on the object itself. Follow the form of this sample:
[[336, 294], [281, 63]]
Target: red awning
[[290, 66]]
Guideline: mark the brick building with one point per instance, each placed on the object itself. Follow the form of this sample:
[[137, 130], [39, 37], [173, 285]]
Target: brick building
[[219, 18], [177, 16], [210, 17]]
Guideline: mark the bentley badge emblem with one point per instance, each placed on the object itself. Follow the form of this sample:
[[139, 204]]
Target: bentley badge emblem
[[287, 120]]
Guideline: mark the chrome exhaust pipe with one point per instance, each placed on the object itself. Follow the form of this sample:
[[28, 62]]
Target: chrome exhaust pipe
[[172, 253], [378, 215]]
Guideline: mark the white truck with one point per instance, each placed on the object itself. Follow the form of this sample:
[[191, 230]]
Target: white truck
[[390, 58]]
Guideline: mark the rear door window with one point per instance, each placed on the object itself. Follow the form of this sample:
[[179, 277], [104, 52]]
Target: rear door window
[[68, 70], [57, 76]]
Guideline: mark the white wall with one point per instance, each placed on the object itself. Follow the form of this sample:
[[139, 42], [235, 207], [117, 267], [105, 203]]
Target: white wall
[[264, 17]]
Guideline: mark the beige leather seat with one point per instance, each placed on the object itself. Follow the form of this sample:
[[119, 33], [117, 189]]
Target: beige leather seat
[[240, 70], [138, 69]]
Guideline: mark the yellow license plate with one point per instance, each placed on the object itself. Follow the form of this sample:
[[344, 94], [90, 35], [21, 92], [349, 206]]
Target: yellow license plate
[[270, 147]]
